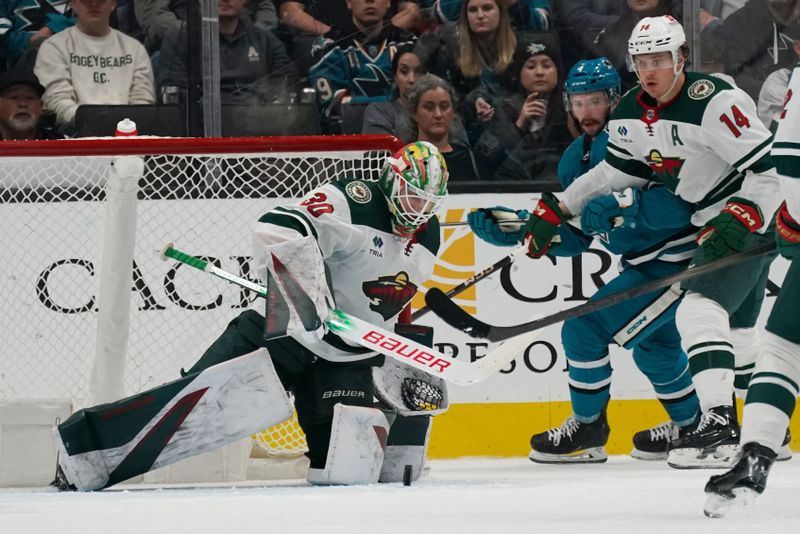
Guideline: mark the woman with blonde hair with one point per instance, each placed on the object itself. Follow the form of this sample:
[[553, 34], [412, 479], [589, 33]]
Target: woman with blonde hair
[[475, 52]]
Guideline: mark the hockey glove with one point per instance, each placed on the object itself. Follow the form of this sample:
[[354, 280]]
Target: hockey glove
[[542, 224], [603, 214], [787, 233], [725, 234], [485, 223]]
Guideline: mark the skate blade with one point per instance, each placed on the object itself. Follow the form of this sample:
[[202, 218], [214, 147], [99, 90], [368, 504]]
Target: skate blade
[[721, 458], [648, 456], [718, 506], [594, 455]]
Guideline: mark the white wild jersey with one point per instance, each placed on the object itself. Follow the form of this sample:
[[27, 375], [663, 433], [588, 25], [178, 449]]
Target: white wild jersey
[[786, 148], [373, 274], [706, 145]]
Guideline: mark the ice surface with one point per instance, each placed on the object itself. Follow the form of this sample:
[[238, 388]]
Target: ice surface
[[486, 496]]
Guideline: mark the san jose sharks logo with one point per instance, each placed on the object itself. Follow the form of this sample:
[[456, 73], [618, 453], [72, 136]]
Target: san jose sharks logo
[[388, 295], [665, 169], [36, 15]]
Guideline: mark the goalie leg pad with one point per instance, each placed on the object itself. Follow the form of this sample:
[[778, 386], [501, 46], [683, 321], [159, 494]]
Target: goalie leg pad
[[110, 443], [407, 445], [356, 449]]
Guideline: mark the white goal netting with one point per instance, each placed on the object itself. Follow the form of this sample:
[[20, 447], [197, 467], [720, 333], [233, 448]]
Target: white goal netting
[[62, 230]]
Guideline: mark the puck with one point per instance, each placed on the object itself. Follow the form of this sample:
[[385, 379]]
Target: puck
[[407, 474]]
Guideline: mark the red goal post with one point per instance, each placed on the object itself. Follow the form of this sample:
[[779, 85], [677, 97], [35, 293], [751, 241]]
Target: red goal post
[[91, 312]]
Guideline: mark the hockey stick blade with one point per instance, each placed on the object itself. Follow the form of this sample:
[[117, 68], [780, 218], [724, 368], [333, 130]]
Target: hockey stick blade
[[456, 317]]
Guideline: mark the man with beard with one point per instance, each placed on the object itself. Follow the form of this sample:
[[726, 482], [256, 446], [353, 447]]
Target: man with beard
[[650, 230], [21, 106]]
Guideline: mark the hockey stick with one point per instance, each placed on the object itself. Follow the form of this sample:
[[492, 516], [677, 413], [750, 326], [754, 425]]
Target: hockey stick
[[379, 339], [477, 277], [458, 318]]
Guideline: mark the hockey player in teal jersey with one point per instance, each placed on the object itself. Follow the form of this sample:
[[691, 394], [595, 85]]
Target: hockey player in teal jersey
[[656, 239], [378, 243], [774, 386], [698, 136]]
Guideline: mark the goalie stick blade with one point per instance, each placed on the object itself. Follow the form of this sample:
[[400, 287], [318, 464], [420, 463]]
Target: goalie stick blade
[[453, 315]]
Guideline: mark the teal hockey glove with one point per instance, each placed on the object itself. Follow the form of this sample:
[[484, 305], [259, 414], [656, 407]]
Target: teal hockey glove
[[485, 223], [542, 225], [787, 233], [725, 234], [603, 214]]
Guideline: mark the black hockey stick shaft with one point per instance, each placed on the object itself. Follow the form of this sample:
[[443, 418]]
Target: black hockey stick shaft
[[458, 318], [474, 279]]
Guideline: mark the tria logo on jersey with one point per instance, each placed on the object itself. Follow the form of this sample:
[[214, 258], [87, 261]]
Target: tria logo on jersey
[[665, 169], [388, 295]]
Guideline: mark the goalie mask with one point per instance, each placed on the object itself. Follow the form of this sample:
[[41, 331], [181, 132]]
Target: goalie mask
[[414, 181]]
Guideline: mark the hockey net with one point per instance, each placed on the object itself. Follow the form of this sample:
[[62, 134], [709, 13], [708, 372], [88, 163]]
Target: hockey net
[[64, 226]]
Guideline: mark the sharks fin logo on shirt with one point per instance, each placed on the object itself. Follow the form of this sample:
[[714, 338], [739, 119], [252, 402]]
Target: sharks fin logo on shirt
[[665, 169], [388, 295]]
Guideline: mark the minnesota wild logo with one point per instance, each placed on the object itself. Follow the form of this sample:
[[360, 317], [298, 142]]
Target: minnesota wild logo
[[388, 295], [665, 169]]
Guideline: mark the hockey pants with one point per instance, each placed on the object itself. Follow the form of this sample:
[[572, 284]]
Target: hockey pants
[[646, 325]]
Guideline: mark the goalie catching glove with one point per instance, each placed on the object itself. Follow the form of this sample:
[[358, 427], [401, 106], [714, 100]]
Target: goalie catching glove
[[485, 223], [542, 225], [726, 233], [787, 233]]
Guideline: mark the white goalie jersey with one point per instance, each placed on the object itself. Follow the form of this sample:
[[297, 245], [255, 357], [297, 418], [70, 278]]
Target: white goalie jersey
[[706, 145], [372, 273]]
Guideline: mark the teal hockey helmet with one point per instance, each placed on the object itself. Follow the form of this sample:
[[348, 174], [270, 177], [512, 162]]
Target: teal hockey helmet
[[590, 75], [414, 181]]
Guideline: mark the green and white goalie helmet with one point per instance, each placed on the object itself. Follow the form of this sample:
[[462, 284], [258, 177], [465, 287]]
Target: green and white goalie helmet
[[414, 181], [652, 35]]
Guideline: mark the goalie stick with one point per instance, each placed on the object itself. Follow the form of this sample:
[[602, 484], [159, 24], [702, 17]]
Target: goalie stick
[[458, 318], [379, 339]]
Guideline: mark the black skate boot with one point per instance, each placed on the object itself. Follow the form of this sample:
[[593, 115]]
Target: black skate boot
[[653, 443], [572, 442], [742, 484], [785, 453], [712, 443]]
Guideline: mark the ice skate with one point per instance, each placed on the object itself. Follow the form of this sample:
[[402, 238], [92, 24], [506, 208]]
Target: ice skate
[[572, 442], [653, 443], [60, 481], [742, 484], [712, 443]]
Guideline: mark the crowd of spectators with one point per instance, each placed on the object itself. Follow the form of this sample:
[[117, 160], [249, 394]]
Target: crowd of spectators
[[481, 79]]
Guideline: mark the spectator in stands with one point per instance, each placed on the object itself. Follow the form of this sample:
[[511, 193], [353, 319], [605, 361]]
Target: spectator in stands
[[393, 117], [476, 52], [254, 66], [158, 17], [772, 96], [91, 63], [29, 22], [526, 15], [313, 17], [431, 104], [524, 136], [612, 42], [357, 68], [21, 106], [751, 42]]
